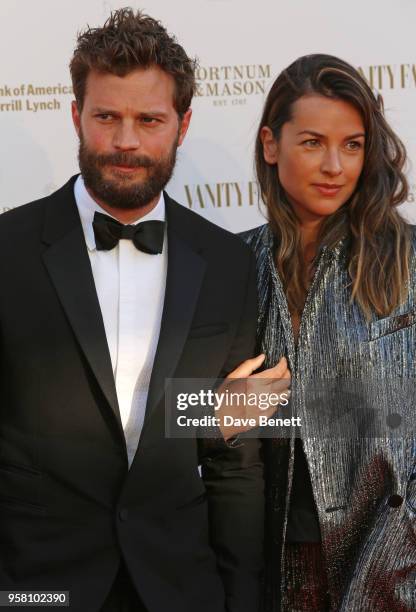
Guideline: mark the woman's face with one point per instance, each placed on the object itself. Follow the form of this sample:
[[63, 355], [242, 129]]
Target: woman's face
[[319, 155]]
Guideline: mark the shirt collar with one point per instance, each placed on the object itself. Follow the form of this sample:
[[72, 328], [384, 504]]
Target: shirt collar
[[87, 207]]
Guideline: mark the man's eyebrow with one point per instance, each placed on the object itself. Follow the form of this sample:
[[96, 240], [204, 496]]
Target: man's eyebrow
[[102, 110], [153, 113], [318, 135]]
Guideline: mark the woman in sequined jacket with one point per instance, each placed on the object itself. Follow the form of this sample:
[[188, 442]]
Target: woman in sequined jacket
[[336, 284]]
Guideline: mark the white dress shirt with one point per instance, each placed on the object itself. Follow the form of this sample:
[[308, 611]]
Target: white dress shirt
[[130, 286]]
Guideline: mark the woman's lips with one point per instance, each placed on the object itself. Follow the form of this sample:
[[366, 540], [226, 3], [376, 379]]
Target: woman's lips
[[328, 189]]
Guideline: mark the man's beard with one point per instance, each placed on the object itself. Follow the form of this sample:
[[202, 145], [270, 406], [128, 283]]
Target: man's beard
[[123, 191]]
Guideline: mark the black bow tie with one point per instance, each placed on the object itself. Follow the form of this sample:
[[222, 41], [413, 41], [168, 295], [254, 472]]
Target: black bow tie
[[146, 236]]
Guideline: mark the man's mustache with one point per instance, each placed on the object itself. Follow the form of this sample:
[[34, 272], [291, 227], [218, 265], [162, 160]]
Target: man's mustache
[[124, 159]]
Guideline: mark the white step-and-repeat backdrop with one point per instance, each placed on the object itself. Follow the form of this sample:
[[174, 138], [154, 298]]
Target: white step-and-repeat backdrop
[[241, 45]]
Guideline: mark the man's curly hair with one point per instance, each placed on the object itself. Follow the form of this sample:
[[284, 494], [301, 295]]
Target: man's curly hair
[[129, 41]]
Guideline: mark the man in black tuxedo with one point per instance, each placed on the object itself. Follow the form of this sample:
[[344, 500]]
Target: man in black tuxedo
[[108, 288]]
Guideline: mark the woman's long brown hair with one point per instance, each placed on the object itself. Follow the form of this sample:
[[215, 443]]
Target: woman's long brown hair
[[378, 238]]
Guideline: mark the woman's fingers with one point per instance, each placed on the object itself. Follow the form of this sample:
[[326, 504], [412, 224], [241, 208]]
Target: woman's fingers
[[280, 370], [245, 369], [274, 380]]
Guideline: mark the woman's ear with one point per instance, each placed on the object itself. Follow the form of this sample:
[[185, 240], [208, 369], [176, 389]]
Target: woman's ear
[[270, 145]]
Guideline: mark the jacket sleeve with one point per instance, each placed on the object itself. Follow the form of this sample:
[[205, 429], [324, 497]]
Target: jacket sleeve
[[233, 475]]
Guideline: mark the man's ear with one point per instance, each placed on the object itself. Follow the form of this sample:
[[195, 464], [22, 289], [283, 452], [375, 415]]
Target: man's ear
[[270, 145], [76, 116], [184, 125]]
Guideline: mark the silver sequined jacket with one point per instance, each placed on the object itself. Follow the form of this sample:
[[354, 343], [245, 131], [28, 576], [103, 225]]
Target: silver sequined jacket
[[364, 487]]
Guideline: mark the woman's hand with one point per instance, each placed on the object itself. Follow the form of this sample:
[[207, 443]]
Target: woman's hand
[[245, 416]]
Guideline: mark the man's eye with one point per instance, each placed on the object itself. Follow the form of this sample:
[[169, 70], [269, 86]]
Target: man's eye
[[104, 116], [149, 120]]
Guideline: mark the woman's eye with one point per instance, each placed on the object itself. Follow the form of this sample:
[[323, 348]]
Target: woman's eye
[[354, 145], [312, 142]]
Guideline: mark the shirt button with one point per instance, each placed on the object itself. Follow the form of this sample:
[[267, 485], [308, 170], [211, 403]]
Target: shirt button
[[394, 501], [123, 515]]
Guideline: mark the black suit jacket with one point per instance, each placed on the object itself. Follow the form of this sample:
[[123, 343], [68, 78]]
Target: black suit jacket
[[69, 506]]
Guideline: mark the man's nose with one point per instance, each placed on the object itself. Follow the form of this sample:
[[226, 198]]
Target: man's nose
[[126, 137]]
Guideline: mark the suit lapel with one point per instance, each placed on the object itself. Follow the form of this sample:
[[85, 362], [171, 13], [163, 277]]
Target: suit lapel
[[66, 259], [186, 269], [68, 264]]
